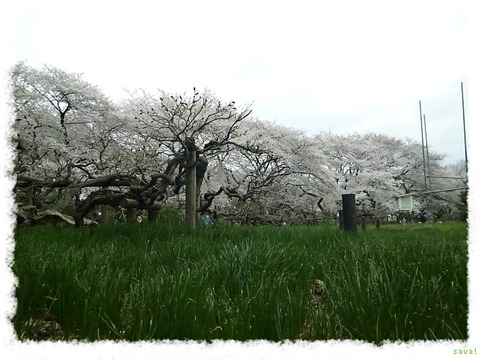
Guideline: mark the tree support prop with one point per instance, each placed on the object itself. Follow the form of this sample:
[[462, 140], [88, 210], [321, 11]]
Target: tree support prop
[[191, 185]]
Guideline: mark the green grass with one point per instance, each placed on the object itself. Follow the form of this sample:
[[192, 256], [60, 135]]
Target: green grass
[[144, 281]]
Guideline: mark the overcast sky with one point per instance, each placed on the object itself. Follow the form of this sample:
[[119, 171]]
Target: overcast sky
[[339, 66]]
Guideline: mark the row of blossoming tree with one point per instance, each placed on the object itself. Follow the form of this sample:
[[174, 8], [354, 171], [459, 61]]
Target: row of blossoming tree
[[77, 151]]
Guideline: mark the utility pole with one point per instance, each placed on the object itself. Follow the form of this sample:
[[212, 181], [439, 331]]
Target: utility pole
[[464, 132], [424, 133], [423, 146], [427, 156]]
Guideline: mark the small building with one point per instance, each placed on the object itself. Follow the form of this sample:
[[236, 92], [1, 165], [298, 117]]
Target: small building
[[404, 202]]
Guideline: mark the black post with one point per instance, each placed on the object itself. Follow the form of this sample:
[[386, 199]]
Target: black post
[[349, 213]]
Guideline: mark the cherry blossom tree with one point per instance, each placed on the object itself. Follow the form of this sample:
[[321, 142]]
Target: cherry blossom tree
[[76, 151], [71, 140], [377, 168], [65, 134], [276, 175]]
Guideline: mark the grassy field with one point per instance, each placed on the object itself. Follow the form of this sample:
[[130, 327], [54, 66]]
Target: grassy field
[[144, 282]]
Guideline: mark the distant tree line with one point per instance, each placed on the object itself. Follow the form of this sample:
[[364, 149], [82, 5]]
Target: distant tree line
[[76, 151]]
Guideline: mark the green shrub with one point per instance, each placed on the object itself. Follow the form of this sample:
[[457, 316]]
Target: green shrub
[[169, 214]]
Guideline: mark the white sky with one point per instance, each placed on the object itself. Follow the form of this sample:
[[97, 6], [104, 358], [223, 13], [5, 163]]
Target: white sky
[[340, 66]]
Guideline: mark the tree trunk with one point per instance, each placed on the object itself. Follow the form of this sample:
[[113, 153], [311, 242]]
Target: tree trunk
[[101, 197], [200, 168]]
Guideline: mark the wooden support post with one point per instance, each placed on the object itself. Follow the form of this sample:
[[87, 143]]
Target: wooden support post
[[104, 213], [98, 217], [29, 194], [152, 215], [363, 221], [341, 223], [377, 223], [101, 213], [131, 215], [191, 184], [349, 213], [133, 205]]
